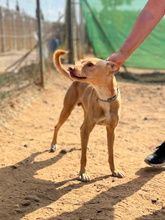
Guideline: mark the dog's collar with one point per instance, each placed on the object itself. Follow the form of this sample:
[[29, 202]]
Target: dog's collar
[[110, 99]]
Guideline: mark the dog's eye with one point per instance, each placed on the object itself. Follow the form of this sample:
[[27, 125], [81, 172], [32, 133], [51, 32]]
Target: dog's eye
[[90, 64]]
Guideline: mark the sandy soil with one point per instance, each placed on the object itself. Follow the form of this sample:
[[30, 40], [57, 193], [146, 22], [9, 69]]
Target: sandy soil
[[8, 59], [38, 185]]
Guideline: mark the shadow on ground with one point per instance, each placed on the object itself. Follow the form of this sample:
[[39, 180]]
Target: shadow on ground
[[155, 77]]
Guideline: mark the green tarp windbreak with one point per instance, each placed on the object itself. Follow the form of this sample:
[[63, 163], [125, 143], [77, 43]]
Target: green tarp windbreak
[[108, 23]]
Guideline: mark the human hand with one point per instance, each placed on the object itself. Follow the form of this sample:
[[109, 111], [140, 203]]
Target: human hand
[[117, 57]]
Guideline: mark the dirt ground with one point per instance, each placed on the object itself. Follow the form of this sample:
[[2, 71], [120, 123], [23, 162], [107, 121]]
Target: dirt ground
[[38, 185]]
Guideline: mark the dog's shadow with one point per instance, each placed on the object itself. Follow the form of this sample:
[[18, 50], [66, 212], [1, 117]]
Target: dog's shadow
[[103, 204], [18, 181]]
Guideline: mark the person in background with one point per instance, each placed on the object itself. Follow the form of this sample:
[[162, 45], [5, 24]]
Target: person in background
[[147, 20]]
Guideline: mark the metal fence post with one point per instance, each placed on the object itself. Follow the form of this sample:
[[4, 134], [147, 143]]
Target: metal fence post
[[42, 64], [2, 14], [23, 23], [14, 32]]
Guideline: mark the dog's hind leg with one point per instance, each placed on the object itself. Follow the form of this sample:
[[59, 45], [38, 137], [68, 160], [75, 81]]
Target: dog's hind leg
[[70, 101]]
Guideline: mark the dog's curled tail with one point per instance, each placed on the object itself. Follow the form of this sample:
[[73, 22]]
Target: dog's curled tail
[[57, 62]]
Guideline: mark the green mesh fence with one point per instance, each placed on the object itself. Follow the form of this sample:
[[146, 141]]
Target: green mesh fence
[[109, 22]]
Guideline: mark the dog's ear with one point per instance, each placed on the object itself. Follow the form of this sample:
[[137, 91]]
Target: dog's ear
[[113, 66]]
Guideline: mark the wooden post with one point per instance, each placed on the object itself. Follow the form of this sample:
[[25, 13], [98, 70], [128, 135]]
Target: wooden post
[[70, 31], [42, 64], [74, 31], [82, 32]]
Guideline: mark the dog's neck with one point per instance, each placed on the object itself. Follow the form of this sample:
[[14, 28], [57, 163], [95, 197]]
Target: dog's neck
[[108, 91]]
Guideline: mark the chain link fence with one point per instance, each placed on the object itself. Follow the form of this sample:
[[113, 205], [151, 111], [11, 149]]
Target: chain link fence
[[19, 40]]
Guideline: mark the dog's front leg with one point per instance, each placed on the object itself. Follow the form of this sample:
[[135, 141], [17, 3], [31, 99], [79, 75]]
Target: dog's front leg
[[85, 131], [110, 141], [69, 103]]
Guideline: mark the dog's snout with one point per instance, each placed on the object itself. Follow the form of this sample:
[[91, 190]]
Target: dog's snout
[[71, 69]]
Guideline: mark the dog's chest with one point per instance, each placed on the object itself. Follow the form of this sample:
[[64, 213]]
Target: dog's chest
[[109, 116], [107, 120]]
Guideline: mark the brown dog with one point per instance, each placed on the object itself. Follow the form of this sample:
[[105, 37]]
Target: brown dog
[[95, 89]]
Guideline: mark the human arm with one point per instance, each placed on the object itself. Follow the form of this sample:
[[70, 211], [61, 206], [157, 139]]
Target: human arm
[[147, 20]]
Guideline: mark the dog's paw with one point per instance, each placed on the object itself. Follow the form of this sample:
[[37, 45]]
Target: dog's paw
[[118, 173], [53, 148], [84, 177]]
